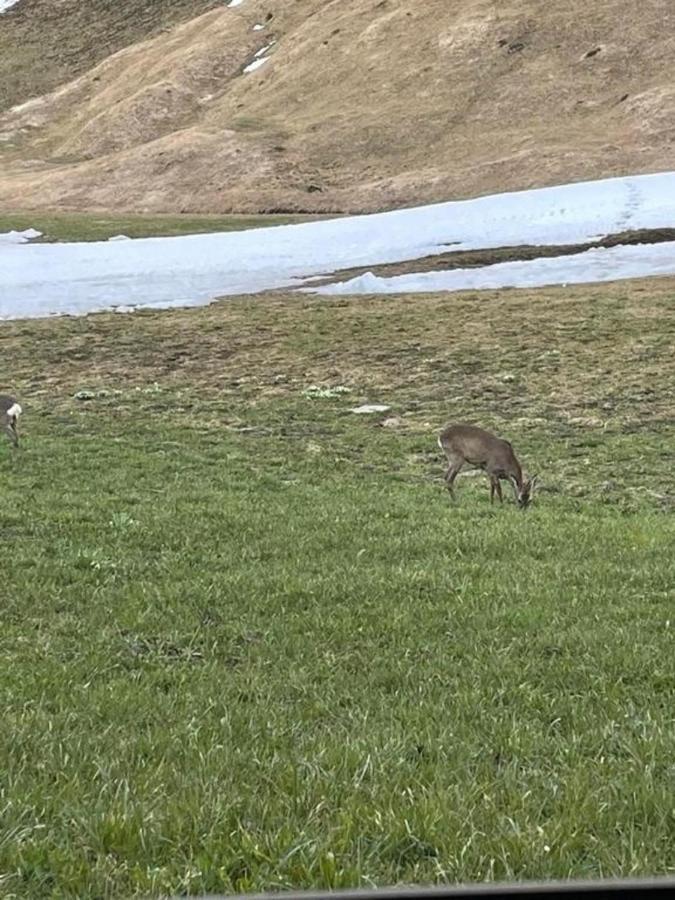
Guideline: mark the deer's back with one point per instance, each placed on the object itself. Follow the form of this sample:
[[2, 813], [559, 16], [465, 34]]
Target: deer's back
[[477, 446]]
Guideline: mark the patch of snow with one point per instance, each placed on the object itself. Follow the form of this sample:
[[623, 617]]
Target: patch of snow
[[119, 237], [596, 265], [368, 283], [51, 279], [5, 5], [264, 49], [19, 237], [251, 67], [28, 104], [235, 3], [371, 408], [258, 27]]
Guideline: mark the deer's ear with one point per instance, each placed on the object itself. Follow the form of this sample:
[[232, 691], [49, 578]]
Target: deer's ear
[[533, 481]]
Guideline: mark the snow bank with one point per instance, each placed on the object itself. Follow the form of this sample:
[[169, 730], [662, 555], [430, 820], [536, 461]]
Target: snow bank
[[19, 237], [594, 265], [5, 5], [44, 279]]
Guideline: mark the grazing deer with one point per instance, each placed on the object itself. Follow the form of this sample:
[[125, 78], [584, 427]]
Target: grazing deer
[[9, 416], [482, 450]]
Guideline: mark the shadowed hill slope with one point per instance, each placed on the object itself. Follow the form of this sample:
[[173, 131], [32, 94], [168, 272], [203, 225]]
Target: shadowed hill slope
[[44, 43], [361, 105]]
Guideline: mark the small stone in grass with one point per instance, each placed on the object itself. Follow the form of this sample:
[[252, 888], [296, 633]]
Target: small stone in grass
[[371, 408]]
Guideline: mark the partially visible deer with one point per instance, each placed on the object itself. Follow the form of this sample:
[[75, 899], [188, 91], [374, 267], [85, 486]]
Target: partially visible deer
[[9, 416], [467, 444]]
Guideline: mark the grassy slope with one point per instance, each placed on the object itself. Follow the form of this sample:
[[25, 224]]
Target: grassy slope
[[249, 642], [363, 105], [43, 44], [98, 227]]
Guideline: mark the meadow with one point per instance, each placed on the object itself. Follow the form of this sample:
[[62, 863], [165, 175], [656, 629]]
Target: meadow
[[57, 227], [249, 642]]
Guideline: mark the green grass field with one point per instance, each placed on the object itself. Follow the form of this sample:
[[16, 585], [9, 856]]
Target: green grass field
[[99, 227], [248, 640]]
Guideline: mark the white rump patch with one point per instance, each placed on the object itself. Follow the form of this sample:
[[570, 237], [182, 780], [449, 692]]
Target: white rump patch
[[14, 411]]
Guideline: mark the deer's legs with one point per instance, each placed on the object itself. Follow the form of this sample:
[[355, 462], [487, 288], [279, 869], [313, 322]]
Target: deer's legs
[[495, 488], [10, 429], [452, 473]]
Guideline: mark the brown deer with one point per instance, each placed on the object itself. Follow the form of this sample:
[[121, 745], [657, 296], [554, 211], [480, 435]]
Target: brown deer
[[9, 416], [482, 450]]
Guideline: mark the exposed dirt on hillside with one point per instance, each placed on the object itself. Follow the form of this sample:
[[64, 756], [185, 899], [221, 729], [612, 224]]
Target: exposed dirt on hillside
[[362, 105]]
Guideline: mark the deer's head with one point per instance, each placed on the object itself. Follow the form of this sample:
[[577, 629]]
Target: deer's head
[[525, 490]]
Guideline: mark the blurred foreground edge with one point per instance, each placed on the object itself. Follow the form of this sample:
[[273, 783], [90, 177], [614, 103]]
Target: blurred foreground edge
[[597, 889]]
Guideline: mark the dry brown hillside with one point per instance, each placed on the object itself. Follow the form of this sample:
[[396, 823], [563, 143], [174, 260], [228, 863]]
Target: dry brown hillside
[[362, 105], [44, 43]]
